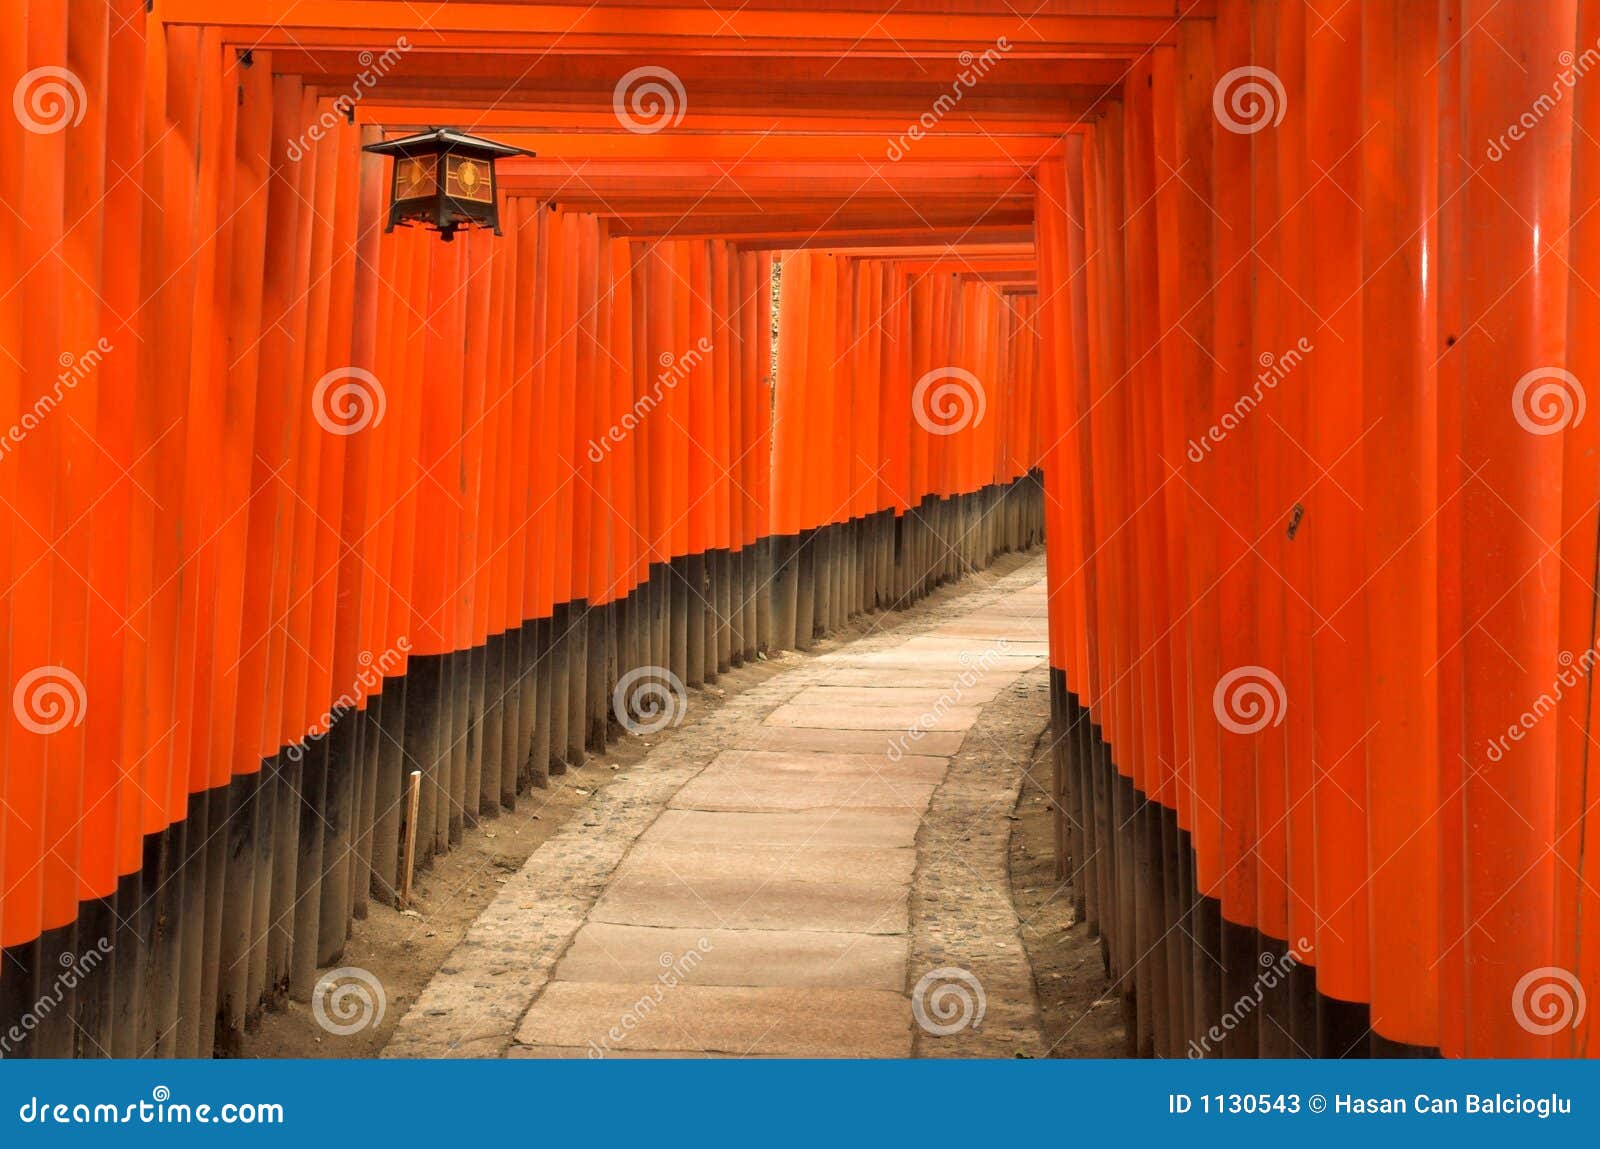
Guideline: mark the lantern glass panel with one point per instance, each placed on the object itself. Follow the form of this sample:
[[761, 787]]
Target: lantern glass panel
[[415, 177], [467, 178]]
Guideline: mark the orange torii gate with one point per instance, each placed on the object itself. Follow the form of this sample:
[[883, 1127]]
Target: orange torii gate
[[329, 505], [293, 506]]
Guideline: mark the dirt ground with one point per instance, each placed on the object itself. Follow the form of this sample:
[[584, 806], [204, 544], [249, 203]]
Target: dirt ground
[[405, 950], [1080, 1019]]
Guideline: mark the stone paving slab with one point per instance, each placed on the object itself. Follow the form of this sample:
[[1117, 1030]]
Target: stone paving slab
[[895, 696], [1018, 637], [937, 742], [738, 1020], [857, 677], [686, 861], [906, 767], [778, 792], [990, 649], [826, 827], [892, 718], [950, 658], [761, 765], [750, 902], [603, 951], [943, 657]]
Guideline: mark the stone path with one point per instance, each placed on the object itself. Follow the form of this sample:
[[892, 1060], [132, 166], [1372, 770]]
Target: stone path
[[780, 882]]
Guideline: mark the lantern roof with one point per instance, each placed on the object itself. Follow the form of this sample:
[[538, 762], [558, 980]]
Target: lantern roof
[[443, 139]]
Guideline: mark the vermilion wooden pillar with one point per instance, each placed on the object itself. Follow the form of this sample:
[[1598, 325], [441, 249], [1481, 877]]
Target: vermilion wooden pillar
[[1399, 203], [1576, 820], [1337, 425], [1515, 287]]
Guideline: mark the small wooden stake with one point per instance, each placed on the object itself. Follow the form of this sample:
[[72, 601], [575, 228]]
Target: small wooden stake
[[413, 801]]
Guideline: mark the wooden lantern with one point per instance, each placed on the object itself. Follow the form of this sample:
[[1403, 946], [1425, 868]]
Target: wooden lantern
[[444, 180]]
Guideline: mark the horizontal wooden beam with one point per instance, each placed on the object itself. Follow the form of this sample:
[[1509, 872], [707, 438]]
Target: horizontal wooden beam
[[1024, 152], [553, 74], [749, 112], [848, 240], [823, 219], [836, 173], [689, 29]]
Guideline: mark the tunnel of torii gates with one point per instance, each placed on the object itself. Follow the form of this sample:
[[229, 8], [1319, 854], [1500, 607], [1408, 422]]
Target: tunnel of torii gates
[[1273, 320]]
